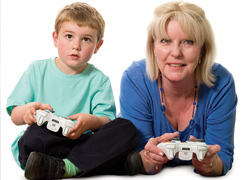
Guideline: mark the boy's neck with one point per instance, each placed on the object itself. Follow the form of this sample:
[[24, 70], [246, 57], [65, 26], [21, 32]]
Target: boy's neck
[[69, 70]]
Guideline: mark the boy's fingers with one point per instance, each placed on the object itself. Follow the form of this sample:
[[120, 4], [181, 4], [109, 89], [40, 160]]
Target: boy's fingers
[[75, 116], [32, 110], [45, 106]]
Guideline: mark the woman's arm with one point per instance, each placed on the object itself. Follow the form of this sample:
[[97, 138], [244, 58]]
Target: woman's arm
[[135, 103], [220, 121]]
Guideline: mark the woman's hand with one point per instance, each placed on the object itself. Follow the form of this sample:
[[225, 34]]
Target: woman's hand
[[153, 157], [211, 165]]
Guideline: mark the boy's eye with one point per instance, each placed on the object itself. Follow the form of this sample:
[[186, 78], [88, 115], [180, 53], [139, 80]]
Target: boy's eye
[[86, 39], [69, 36]]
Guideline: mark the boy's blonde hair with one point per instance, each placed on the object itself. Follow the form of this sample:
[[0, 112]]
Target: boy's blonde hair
[[193, 22], [83, 15]]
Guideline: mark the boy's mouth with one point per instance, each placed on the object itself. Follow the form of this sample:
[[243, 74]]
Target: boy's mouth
[[74, 56]]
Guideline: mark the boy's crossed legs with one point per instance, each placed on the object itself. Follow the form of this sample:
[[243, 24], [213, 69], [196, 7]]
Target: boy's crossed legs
[[104, 152]]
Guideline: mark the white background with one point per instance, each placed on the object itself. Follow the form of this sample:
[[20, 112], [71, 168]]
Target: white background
[[26, 35]]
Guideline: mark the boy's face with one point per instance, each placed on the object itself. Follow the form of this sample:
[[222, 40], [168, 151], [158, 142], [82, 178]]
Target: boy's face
[[75, 46]]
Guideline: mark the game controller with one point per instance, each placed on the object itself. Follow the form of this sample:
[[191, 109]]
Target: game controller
[[185, 150], [54, 122]]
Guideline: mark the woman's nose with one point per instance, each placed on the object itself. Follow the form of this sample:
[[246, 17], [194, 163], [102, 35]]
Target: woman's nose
[[176, 50]]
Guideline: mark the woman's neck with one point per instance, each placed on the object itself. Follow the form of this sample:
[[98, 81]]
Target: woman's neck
[[178, 90]]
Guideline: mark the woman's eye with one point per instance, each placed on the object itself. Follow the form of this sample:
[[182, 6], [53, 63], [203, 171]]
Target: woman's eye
[[165, 41], [69, 36], [189, 42]]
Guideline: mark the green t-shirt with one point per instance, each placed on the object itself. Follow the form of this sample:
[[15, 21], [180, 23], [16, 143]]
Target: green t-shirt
[[88, 92]]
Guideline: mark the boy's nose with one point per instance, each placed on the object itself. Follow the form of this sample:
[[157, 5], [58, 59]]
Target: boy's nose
[[77, 45]]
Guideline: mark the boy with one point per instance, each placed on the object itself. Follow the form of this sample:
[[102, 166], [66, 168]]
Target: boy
[[72, 87]]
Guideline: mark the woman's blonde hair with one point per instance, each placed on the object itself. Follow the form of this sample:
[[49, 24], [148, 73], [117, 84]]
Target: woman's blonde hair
[[83, 15], [195, 25]]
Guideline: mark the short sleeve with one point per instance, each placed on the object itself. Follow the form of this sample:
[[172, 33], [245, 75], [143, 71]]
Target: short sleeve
[[103, 103], [22, 93]]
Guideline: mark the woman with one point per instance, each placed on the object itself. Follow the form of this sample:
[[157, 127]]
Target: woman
[[177, 91]]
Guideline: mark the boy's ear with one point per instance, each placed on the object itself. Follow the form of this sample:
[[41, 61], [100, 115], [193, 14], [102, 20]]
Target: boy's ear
[[99, 44], [54, 38]]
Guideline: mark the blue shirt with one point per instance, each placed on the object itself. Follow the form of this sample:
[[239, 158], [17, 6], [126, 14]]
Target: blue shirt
[[214, 119]]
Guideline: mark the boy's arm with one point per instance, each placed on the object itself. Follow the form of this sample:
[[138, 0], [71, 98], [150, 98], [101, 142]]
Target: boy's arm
[[24, 114], [86, 122]]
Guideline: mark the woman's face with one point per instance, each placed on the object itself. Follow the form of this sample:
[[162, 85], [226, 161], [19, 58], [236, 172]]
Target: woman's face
[[177, 56]]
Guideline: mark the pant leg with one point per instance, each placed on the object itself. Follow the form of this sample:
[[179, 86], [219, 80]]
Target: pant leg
[[101, 152], [40, 139]]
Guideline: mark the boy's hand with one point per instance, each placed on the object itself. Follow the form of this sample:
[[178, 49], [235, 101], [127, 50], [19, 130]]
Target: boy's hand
[[81, 125], [24, 114], [31, 110], [86, 122]]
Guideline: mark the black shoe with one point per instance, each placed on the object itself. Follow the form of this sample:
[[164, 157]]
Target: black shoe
[[133, 163], [42, 166]]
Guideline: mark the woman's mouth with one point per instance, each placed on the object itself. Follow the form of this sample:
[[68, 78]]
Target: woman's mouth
[[176, 65]]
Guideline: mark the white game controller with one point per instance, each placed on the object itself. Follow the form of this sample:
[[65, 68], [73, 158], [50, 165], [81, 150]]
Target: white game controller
[[54, 122], [185, 150]]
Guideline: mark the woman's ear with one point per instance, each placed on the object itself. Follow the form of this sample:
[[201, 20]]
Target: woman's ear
[[54, 35], [99, 44]]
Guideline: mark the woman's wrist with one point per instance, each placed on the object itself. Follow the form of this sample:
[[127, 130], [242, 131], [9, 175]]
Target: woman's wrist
[[148, 168]]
